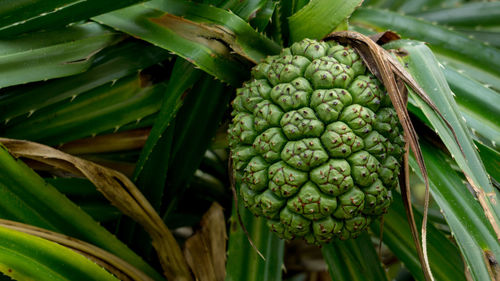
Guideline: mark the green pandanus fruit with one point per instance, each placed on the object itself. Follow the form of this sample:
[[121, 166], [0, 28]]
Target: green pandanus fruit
[[316, 143]]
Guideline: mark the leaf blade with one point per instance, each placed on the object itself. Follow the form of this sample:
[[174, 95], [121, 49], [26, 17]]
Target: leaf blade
[[423, 66], [101, 109], [458, 50], [190, 40], [243, 39], [353, 260], [243, 263], [52, 54], [318, 18], [466, 15], [26, 257], [20, 17], [111, 64], [462, 212], [446, 262]]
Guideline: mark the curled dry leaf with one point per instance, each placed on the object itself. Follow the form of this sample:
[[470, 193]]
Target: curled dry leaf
[[117, 266], [120, 191], [206, 250]]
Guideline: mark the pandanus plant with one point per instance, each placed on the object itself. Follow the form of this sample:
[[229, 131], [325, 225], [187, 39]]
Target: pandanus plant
[[201, 140]]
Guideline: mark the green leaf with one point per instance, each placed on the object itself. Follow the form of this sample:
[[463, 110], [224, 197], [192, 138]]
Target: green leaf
[[489, 157], [263, 18], [151, 168], [415, 6], [179, 36], [444, 257], [410, 6], [466, 15], [213, 163], [111, 64], [248, 9], [353, 260], [479, 105], [197, 40], [209, 188], [243, 262], [27, 257], [422, 65], [151, 182], [100, 211], [473, 101], [5, 277], [84, 194], [146, 121], [383, 4], [51, 54], [98, 110], [75, 188], [195, 125], [21, 16], [477, 59], [279, 29], [463, 213], [241, 37], [491, 160], [320, 17], [27, 198], [275, 29], [182, 79], [489, 37]]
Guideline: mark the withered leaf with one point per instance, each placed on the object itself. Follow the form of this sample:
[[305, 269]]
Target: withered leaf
[[205, 251]]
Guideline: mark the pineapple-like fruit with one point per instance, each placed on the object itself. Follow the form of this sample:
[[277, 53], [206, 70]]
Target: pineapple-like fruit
[[316, 143]]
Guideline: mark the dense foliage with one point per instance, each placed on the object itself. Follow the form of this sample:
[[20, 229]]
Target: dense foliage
[[145, 88]]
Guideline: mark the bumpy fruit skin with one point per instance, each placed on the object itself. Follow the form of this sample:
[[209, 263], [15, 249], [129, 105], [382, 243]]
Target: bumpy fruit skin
[[315, 142]]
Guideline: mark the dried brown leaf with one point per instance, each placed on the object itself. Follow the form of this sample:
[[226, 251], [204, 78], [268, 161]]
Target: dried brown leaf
[[120, 191], [206, 250], [384, 37], [493, 265]]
